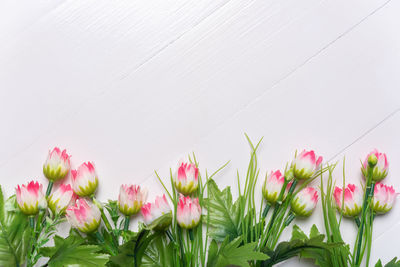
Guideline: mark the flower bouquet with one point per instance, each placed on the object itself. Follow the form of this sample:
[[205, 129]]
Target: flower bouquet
[[194, 223]]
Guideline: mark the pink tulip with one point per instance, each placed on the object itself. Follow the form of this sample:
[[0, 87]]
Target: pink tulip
[[381, 168], [30, 198], [84, 216], [188, 212], [63, 197], [131, 199], [305, 202], [84, 180], [306, 164], [186, 180], [272, 186], [57, 165], [153, 211], [353, 200], [384, 197]]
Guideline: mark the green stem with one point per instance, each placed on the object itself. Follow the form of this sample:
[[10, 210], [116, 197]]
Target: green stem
[[357, 220], [99, 237], [279, 211], [49, 187], [126, 225], [191, 234], [32, 222], [289, 218], [170, 236], [266, 210], [369, 192], [180, 237], [31, 246], [40, 221]]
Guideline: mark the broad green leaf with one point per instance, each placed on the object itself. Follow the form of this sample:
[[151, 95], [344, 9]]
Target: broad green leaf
[[132, 251], [393, 263], [314, 231], [233, 254], [14, 233], [300, 245], [72, 251], [224, 215], [161, 223], [212, 254], [159, 253], [298, 234]]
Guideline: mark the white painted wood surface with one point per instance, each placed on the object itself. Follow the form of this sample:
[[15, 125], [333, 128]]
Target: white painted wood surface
[[137, 85]]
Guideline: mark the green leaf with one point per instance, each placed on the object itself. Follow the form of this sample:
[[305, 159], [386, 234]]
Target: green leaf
[[71, 251], [14, 233], [159, 253], [314, 231], [161, 223], [112, 208], [297, 233], [312, 247], [233, 254], [212, 254], [132, 251], [224, 216], [393, 263]]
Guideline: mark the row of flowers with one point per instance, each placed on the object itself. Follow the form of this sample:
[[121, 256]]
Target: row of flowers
[[84, 215], [76, 200]]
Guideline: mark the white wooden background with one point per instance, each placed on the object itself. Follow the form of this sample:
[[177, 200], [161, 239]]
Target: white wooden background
[[136, 85]]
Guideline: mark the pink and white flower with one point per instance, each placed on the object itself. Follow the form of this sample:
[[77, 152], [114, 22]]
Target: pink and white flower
[[153, 211], [304, 202], [188, 212], [30, 198], [57, 165], [63, 197], [186, 180], [84, 180], [353, 200], [84, 215], [384, 197], [272, 186], [305, 164], [131, 199], [380, 170]]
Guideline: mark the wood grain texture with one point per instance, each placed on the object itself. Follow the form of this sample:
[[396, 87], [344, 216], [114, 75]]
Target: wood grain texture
[[137, 85]]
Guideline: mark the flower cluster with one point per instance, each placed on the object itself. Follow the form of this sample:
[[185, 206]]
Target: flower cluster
[[376, 167], [288, 194]]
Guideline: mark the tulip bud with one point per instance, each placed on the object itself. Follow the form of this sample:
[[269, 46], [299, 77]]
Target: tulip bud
[[272, 186], [304, 203], [305, 164], [186, 180], [84, 180], [30, 198], [188, 212], [377, 163], [153, 211], [84, 216], [63, 197], [353, 200], [384, 197], [131, 199], [57, 165]]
